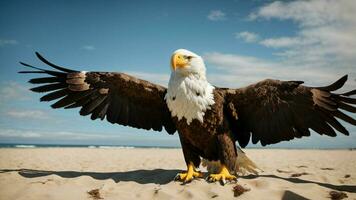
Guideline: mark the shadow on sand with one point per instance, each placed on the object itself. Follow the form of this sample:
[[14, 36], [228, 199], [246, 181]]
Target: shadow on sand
[[289, 195], [157, 176], [344, 188]]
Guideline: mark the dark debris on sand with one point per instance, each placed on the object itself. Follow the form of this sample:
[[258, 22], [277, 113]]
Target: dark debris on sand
[[347, 176], [335, 195], [95, 194], [299, 174], [302, 166], [239, 190], [327, 168], [156, 190]]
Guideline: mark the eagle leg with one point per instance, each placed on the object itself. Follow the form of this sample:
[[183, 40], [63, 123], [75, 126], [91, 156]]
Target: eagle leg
[[223, 176], [188, 176]]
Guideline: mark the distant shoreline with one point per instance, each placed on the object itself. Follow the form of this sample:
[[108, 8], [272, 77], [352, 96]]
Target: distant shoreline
[[20, 145], [24, 146]]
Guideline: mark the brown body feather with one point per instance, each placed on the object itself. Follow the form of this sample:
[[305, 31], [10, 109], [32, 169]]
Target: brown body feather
[[212, 139], [269, 111]]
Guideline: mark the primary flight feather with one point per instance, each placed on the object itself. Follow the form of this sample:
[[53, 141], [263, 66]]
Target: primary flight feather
[[208, 119]]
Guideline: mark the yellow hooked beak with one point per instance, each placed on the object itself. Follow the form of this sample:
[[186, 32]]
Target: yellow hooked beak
[[178, 61]]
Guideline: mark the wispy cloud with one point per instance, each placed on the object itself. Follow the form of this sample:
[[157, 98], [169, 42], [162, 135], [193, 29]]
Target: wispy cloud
[[74, 137], [238, 70], [88, 47], [247, 36], [308, 13], [4, 42], [322, 50], [13, 133], [12, 90], [216, 15], [281, 42], [326, 31], [52, 135], [27, 114]]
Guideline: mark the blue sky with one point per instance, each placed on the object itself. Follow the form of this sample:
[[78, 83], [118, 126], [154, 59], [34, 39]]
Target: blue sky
[[241, 41]]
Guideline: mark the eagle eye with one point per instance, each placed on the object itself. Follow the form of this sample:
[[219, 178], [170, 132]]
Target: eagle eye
[[188, 57]]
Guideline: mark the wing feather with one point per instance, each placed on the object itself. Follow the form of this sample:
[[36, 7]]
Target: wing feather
[[45, 80], [273, 111], [118, 97], [49, 87], [55, 95]]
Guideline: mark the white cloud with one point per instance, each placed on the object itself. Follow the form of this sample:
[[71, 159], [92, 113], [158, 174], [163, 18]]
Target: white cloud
[[238, 70], [247, 36], [88, 47], [216, 15], [53, 135], [5, 133], [325, 35], [4, 42], [308, 13], [281, 42], [11, 90], [27, 114]]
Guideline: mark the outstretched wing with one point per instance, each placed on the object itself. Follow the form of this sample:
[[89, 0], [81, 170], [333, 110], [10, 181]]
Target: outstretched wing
[[121, 98], [273, 111]]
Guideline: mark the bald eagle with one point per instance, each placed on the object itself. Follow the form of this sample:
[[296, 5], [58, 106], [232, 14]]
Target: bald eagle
[[208, 119]]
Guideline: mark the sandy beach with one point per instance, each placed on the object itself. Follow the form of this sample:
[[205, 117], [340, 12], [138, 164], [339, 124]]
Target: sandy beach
[[70, 173]]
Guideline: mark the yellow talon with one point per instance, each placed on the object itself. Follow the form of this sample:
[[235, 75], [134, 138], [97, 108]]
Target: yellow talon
[[189, 175], [223, 176]]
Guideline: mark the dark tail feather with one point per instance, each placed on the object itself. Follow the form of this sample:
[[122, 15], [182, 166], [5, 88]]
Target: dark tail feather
[[335, 86], [53, 65]]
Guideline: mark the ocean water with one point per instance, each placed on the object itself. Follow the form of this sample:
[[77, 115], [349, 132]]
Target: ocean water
[[8, 145], [24, 146]]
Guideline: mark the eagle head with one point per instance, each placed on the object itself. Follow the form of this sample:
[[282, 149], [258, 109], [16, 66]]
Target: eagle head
[[185, 62], [189, 94]]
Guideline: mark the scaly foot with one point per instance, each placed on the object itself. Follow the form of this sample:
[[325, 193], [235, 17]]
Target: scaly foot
[[189, 175], [223, 176]]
